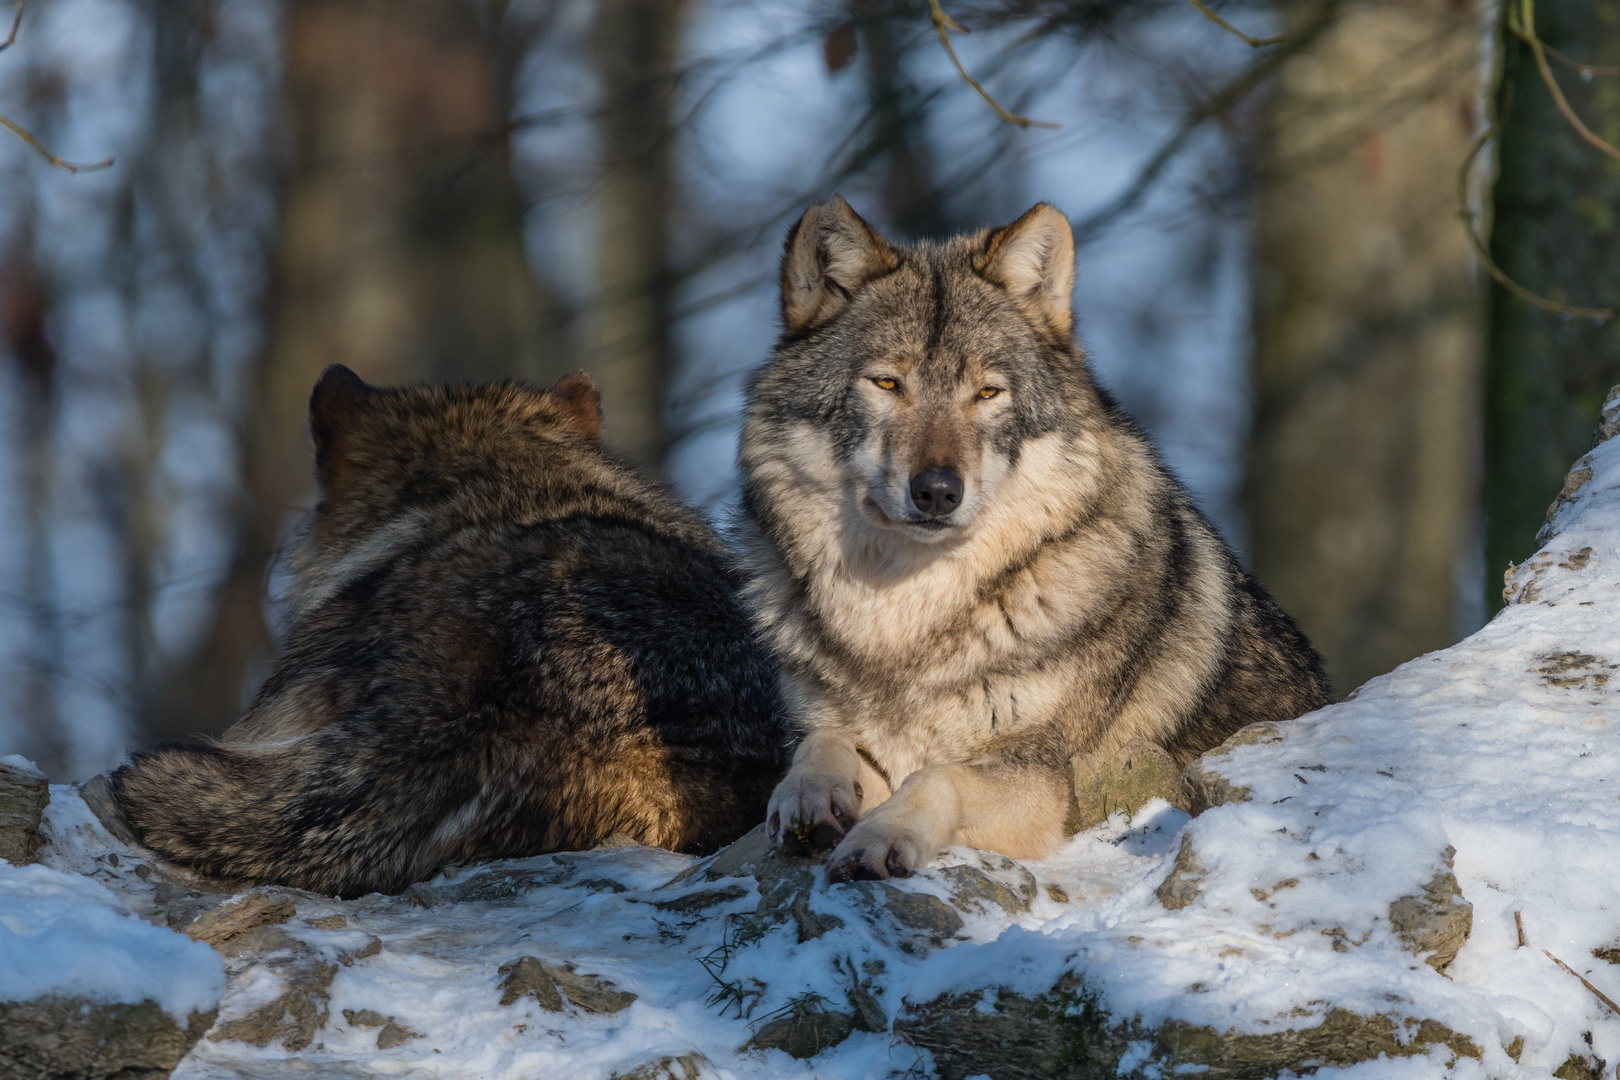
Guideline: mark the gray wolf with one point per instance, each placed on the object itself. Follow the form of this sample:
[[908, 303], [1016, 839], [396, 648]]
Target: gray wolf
[[970, 564], [499, 643]]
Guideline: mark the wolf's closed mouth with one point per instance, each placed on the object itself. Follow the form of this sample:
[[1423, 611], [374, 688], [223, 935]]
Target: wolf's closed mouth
[[933, 524]]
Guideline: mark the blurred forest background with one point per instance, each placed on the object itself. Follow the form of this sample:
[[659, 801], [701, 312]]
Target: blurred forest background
[[1335, 255]]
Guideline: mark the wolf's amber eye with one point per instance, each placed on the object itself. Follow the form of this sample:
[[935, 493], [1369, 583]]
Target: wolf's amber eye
[[988, 392], [886, 383]]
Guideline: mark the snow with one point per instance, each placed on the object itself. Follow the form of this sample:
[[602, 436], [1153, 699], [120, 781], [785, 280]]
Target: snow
[[1500, 748], [21, 764], [63, 934]]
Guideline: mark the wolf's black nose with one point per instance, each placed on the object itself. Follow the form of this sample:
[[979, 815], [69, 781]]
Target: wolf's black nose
[[936, 491]]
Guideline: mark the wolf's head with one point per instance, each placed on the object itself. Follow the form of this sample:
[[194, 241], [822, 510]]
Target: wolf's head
[[383, 450], [390, 462], [919, 375]]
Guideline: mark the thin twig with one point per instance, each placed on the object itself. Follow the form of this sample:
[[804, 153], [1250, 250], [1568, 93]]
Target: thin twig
[[943, 26], [23, 133], [40, 149], [1600, 995], [1467, 215], [1518, 921], [1218, 104], [1585, 71], [16, 21], [1525, 28], [1234, 31]]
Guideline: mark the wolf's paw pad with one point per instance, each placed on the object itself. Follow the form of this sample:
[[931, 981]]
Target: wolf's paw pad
[[875, 853], [812, 811]]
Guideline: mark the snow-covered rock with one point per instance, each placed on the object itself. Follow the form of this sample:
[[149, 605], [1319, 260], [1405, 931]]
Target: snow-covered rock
[[1423, 881], [87, 990]]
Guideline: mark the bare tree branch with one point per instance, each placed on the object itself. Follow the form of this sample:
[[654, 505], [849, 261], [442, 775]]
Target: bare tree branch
[[40, 149], [1218, 104], [22, 133], [1254, 42], [16, 21], [1467, 215], [1524, 26], [1585, 71], [943, 26], [1600, 995]]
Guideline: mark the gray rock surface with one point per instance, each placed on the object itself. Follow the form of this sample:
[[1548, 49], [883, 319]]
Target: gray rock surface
[[973, 888], [1341, 1038], [1181, 887], [671, 1067], [550, 984], [24, 795], [1124, 780], [237, 927], [97, 795], [55, 1038], [1202, 783], [1065, 1034], [804, 1033], [1061, 1034], [1435, 923], [392, 1032]]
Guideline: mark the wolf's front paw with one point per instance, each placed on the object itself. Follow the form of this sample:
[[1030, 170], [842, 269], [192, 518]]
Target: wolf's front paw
[[812, 810], [875, 850]]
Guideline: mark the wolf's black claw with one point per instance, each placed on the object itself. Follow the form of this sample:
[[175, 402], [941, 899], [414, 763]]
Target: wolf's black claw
[[824, 835], [867, 873]]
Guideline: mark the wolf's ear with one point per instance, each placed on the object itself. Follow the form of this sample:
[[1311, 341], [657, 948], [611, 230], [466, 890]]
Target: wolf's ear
[[339, 399], [581, 403], [1033, 259], [829, 254]]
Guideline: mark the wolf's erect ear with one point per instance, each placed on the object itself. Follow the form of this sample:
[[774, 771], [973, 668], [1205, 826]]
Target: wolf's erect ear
[[829, 254], [1033, 259], [581, 403], [339, 399]]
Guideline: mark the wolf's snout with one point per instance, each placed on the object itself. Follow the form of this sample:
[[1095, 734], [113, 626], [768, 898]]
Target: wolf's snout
[[936, 491]]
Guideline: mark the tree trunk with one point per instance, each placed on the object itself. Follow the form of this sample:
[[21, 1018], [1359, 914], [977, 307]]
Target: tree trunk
[[23, 306], [400, 255], [628, 348], [1362, 477], [1556, 231], [898, 129]]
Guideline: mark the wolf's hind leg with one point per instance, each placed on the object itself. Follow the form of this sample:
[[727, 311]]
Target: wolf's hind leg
[[824, 792], [1014, 809]]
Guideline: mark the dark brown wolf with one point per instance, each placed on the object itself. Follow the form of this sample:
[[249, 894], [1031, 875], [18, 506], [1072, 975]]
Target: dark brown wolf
[[969, 562], [500, 643]]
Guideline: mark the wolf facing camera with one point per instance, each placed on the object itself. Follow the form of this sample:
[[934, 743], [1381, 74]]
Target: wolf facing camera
[[969, 562], [500, 643]]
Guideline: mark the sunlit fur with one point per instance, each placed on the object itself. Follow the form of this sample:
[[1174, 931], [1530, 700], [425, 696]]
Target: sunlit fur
[[499, 643], [1074, 601]]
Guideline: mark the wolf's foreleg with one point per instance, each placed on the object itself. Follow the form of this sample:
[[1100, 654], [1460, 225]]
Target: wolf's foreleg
[[824, 791], [1017, 810]]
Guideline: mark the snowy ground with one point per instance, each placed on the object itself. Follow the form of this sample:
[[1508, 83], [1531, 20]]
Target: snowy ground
[[1502, 748]]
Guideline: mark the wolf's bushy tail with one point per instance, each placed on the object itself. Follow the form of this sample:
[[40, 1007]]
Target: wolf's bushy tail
[[301, 812]]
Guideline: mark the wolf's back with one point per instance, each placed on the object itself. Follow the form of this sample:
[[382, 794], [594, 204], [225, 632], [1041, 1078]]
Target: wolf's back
[[536, 691]]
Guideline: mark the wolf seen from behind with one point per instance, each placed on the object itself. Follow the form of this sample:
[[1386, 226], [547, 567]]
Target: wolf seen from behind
[[500, 643], [969, 562]]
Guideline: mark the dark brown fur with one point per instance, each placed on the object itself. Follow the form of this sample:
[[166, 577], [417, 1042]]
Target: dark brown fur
[[500, 644]]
